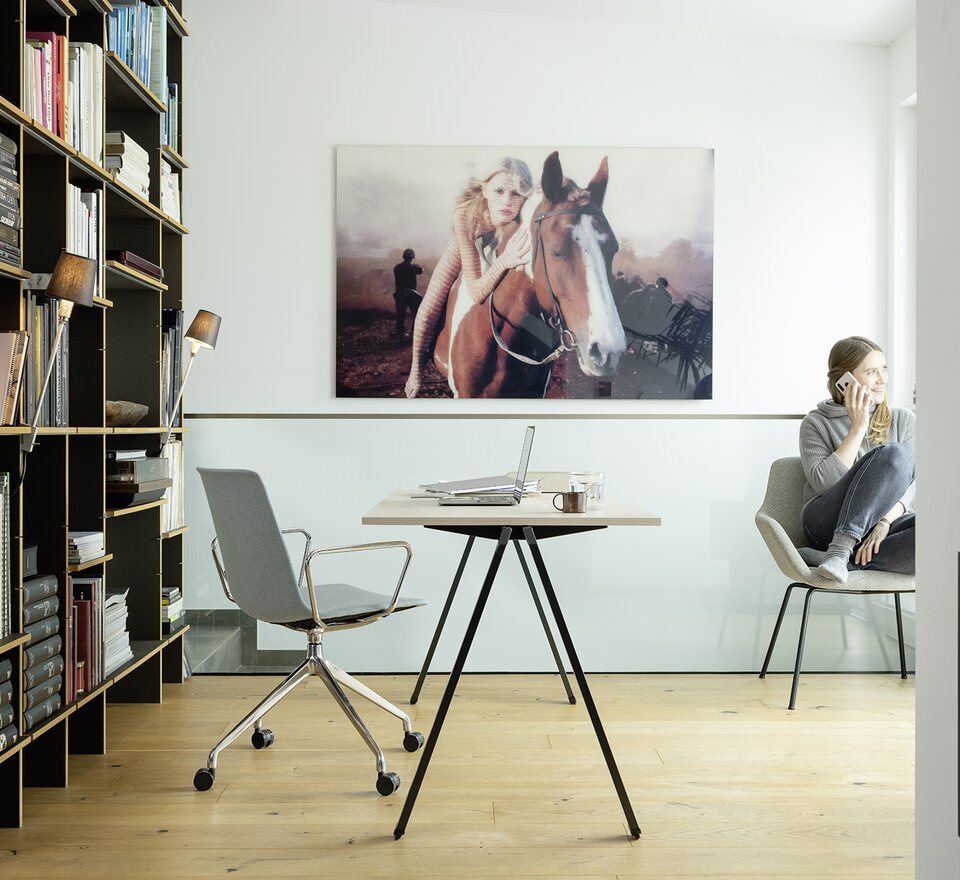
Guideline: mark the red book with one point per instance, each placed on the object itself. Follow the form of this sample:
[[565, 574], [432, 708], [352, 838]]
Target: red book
[[84, 643]]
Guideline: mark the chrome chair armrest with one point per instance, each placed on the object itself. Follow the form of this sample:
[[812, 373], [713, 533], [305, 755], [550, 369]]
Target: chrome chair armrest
[[306, 550], [218, 562], [354, 548]]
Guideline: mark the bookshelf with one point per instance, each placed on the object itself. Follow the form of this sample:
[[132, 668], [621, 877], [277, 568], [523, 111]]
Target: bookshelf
[[115, 353]]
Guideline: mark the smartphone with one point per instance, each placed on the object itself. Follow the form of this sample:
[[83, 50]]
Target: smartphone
[[845, 381]]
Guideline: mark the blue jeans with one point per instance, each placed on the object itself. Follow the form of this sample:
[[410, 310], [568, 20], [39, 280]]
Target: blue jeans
[[855, 503]]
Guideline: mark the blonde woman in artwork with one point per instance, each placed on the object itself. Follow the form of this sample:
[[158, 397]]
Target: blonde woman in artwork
[[488, 209], [858, 457]]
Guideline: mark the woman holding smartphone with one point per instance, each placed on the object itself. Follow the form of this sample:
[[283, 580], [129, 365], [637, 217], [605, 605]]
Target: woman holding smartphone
[[858, 457]]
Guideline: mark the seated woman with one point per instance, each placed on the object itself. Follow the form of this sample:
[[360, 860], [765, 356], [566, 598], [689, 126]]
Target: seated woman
[[487, 209], [858, 457]]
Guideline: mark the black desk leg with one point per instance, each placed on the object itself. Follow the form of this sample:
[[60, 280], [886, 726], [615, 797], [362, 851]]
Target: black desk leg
[[451, 688], [546, 624], [443, 619], [582, 682]]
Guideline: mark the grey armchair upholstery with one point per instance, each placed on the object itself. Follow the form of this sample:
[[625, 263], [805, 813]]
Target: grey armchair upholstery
[[778, 520], [256, 573]]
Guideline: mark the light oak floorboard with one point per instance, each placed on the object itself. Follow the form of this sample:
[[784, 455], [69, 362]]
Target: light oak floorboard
[[725, 782]]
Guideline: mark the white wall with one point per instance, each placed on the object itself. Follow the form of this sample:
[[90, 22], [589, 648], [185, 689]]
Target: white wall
[[938, 316], [800, 131]]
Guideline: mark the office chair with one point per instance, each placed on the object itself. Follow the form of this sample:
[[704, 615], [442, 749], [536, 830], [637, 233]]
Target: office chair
[[778, 520], [249, 549]]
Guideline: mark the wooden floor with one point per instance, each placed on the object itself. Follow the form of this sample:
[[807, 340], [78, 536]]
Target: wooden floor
[[726, 783]]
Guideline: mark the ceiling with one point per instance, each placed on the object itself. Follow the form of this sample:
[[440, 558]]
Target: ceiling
[[867, 22]]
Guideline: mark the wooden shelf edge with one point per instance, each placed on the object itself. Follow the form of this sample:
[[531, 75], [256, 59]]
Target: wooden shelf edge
[[49, 723], [135, 84], [141, 279], [174, 532], [103, 302], [9, 753], [13, 112], [62, 7], [114, 512], [143, 650], [175, 20], [8, 643], [174, 225], [11, 271], [174, 156], [149, 430], [82, 566]]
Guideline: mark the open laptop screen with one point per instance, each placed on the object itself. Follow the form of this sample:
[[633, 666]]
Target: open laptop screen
[[524, 461]]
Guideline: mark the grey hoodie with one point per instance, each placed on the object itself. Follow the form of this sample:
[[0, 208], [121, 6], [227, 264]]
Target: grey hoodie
[[822, 431]]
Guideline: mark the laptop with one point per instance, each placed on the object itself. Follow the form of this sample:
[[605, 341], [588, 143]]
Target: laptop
[[503, 500]]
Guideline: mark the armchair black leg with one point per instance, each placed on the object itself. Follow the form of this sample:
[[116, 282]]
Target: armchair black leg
[[776, 629], [903, 657], [803, 637]]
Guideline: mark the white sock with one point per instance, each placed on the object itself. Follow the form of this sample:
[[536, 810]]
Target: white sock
[[834, 565]]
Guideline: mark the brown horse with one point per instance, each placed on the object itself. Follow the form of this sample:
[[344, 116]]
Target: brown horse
[[561, 301]]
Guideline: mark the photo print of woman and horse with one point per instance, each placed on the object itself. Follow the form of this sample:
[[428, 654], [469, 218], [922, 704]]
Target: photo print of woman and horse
[[519, 272]]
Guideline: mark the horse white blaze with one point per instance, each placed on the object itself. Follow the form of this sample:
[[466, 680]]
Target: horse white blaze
[[605, 343]]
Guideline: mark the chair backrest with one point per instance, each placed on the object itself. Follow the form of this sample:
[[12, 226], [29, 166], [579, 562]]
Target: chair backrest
[[255, 558], [778, 518]]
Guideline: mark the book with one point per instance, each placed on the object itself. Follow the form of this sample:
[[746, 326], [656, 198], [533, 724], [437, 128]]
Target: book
[[125, 454], [8, 159], [41, 712], [6, 715], [41, 608], [6, 670], [135, 261], [9, 200], [39, 587], [10, 187], [8, 737], [8, 144], [10, 176], [9, 235], [168, 627], [41, 651], [43, 629], [6, 693], [9, 217], [6, 597], [13, 346]]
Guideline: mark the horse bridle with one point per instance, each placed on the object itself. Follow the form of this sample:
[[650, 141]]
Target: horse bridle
[[567, 338]]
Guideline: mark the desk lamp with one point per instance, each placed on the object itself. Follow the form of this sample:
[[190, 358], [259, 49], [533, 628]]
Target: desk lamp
[[202, 333], [73, 281]]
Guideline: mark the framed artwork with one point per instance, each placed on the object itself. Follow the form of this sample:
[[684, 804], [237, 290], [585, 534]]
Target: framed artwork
[[524, 272]]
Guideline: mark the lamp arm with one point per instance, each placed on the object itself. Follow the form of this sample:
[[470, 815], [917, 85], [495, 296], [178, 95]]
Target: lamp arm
[[29, 439], [194, 348]]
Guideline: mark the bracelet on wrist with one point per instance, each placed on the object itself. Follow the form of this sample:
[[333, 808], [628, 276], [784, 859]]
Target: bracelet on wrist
[[883, 519]]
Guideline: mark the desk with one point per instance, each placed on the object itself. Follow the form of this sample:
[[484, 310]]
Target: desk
[[535, 519]]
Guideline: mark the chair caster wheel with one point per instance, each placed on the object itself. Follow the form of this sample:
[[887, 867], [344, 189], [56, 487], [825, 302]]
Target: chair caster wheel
[[413, 740], [203, 781], [387, 783], [262, 738]]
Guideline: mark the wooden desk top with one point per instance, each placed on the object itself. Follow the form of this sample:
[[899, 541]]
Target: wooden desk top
[[399, 509]]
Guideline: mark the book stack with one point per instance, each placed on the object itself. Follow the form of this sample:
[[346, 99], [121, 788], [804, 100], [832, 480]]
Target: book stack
[[88, 625], [169, 191], [116, 639], [9, 202], [43, 656], [84, 116], [84, 546], [8, 727], [128, 162], [172, 614], [132, 478], [44, 89], [6, 597], [13, 349]]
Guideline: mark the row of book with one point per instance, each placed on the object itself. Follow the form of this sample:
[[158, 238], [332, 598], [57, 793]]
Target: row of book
[[170, 121], [84, 546], [128, 162], [44, 666], [137, 33], [41, 320], [171, 514], [9, 202], [5, 579], [85, 227], [169, 191], [63, 89], [13, 352], [171, 353], [172, 612]]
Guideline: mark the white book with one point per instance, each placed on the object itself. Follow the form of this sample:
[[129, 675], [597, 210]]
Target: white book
[[158, 51]]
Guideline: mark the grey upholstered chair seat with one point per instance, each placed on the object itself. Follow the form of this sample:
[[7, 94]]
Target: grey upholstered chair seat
[[778, 520], [340, 603]]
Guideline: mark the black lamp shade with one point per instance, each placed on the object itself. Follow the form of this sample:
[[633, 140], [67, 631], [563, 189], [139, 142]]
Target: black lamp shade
[[74, 279], [204, 329]]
